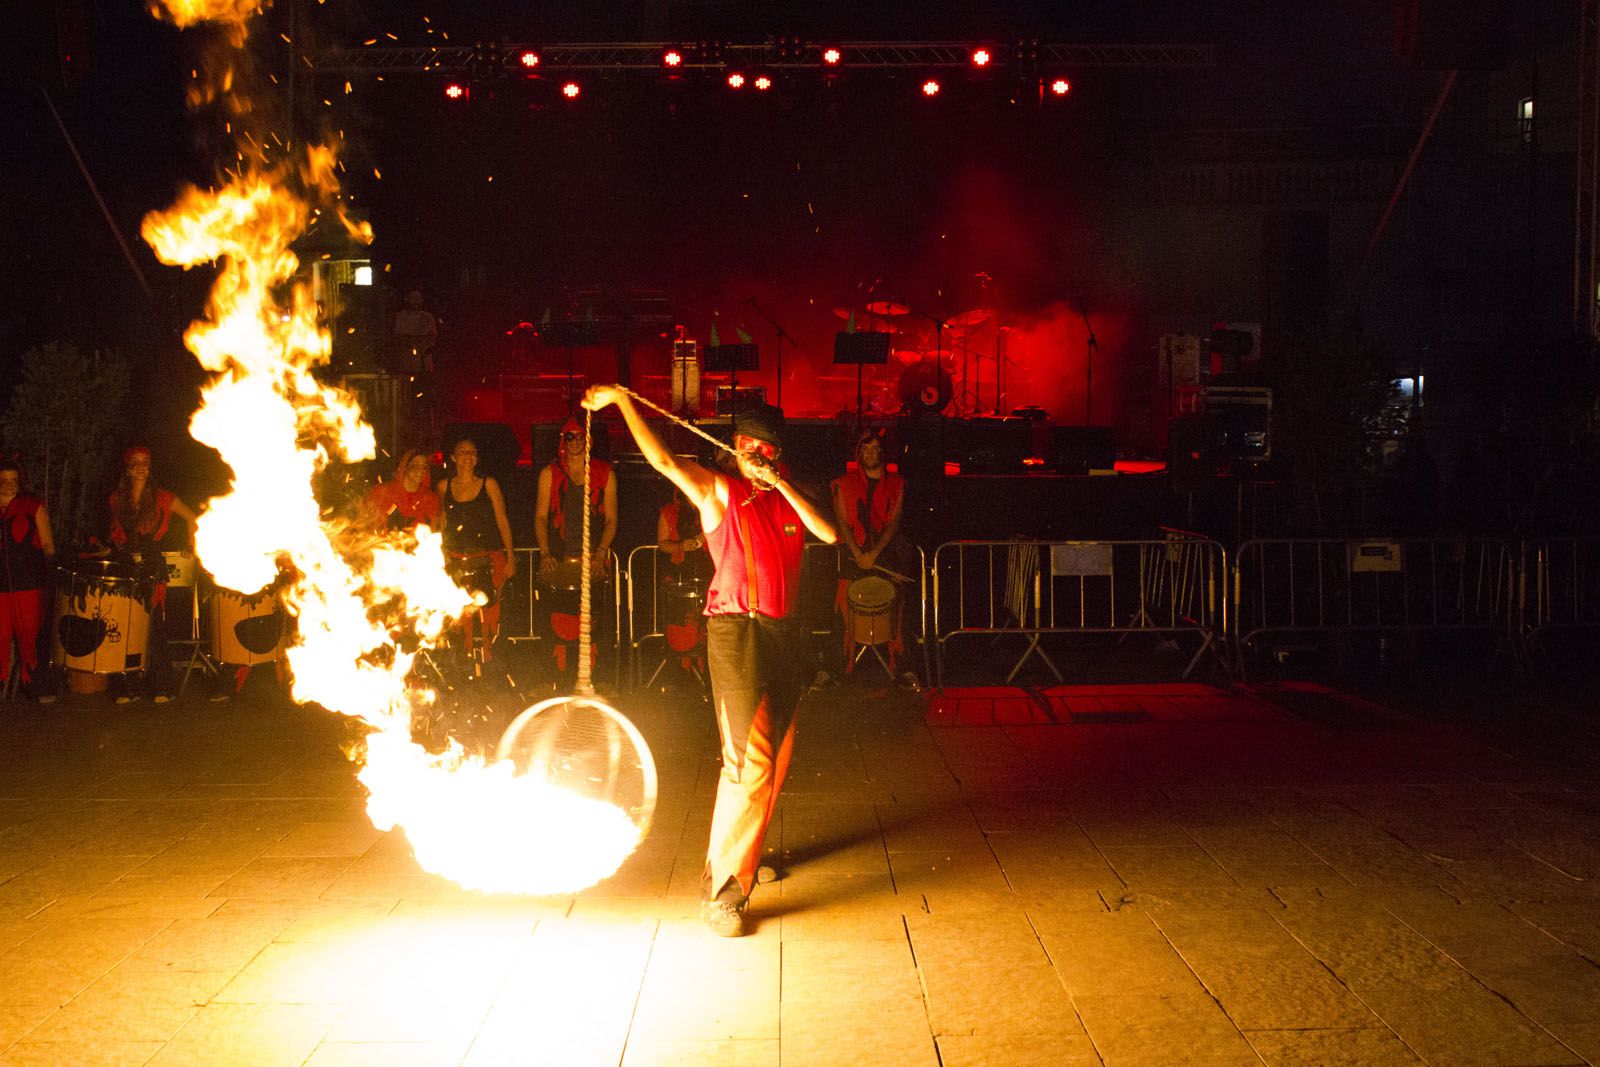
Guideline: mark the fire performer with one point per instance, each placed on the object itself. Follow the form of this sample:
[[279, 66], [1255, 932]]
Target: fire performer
[[26, 548], [754, 524], [557, 513], [141, 527], [474, 521]]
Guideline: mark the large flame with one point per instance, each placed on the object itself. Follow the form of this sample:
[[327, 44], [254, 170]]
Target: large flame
[[364, 603]]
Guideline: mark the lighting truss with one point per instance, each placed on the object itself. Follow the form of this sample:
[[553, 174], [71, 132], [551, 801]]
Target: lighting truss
[[644, 57]]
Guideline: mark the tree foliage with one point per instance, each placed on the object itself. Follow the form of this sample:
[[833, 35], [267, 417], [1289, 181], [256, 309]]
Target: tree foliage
[[62, 423]]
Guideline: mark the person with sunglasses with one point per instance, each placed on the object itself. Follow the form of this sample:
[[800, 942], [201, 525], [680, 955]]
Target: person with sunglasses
[[557, 517], [754, 522]]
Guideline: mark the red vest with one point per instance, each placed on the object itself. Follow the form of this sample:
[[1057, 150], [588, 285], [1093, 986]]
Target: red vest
[[156, 531], [852, 490], [756, 550], [599, 474]]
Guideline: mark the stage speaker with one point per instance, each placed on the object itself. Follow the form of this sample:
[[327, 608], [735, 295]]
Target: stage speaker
[[1238, 423], [815, 450], [1452, 34], [919, 445], [498, 447], [1081, 449], [993, 444]]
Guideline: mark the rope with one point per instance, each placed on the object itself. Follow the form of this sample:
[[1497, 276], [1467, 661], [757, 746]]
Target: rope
[[670, 417], [585, 635]]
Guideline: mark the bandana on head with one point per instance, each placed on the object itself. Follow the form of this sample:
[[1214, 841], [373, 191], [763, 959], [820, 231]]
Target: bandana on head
[[134, 450]]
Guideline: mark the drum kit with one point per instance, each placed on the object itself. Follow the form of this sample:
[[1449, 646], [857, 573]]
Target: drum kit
[[927, 355], [103, 618]]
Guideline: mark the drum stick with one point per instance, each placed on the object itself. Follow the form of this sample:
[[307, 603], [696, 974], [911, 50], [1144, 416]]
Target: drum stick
[[896, 575]]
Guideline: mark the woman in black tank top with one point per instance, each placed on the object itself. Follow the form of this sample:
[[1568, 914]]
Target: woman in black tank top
[[477, 536]]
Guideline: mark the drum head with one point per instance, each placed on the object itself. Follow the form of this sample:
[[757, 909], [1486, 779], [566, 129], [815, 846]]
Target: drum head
[[871, 592]]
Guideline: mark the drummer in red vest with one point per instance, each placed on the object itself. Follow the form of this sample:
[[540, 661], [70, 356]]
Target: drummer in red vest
[[408, 498], [26, 548], [141, 526], [754, 523], [557, 526], [867, 502], [680, 597]]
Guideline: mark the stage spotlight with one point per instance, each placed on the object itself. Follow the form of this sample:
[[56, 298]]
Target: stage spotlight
[[763, 82], [981, 57], [736, 80], [1061, 87], [930, 87], [672, 58], [529, 59], [832, 56], [456, 91], [571, 90]]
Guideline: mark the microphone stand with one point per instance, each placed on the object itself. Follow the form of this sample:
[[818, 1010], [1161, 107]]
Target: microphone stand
[[782, 335], [1091, 346]]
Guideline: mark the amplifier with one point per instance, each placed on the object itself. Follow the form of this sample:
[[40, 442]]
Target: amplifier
[[732, 399]]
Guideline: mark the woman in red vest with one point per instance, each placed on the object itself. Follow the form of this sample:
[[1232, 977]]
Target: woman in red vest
[[754, 523], [26, 548], [141, 527]]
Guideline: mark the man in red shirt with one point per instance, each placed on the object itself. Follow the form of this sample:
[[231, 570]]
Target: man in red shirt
[[754, 524]]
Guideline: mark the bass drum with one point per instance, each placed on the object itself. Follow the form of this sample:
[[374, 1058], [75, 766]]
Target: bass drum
[[102, 617], [249, 630], [925, 388]]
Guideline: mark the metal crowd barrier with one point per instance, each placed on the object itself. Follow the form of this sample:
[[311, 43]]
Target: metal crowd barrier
[[1320, 585], [820, 570], [1175, 584], [520, 597], [1562, 583]]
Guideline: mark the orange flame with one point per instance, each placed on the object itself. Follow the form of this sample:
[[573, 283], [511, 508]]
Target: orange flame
[[364, 604]]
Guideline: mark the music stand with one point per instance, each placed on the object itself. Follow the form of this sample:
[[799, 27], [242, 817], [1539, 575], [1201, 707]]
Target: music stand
[[860, 349], [571, 335], [731, 359]]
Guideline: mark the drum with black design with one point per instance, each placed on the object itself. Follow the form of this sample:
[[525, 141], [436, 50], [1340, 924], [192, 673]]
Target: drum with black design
[[869, 602], [475, 574], [680, 607], [247, 630], [102, 617]]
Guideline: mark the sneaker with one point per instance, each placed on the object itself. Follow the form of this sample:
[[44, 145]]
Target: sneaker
[[163, 698], [126, 698], [725, 914], [725, 918], [220, 694]]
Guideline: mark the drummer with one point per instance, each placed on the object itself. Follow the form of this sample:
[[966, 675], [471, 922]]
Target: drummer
[[474, 523], [26, 548], [687, 571], [141, 527], [867, 502], [407, 499], [557, 519]]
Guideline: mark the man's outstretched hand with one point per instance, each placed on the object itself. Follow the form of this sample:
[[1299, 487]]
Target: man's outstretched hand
[[600, 396]]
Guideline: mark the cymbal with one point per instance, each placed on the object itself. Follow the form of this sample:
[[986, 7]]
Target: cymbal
[[843, 313], [886, 307], [971, 318], [906, 356]]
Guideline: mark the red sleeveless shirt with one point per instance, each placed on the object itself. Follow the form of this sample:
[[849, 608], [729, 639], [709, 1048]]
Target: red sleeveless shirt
[[756, 550]]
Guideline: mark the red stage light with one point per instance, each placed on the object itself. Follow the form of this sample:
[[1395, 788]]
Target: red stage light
[[763, 82], [981, 57], [832, 56], [672, 58], [930, 87], [529, 59], [456, 91], [1061, 87], [571, 90], [736, 80]]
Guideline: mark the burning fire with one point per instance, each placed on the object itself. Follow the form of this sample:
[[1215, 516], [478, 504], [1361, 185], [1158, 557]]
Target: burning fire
[[364, 606]]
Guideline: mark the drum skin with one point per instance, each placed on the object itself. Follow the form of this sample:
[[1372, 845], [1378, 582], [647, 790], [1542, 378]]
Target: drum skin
[[869, 601]]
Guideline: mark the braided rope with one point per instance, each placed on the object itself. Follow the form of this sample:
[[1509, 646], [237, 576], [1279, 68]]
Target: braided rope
[[585, 604]]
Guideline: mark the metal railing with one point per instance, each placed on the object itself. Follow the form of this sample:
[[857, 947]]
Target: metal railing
[[1562, 583], [519, 605], [1175, 584], [1323, 585]]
